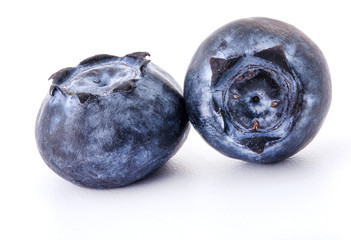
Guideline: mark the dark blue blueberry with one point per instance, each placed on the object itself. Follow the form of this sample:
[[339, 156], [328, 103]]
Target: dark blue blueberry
[[111, 121], [258, 89]]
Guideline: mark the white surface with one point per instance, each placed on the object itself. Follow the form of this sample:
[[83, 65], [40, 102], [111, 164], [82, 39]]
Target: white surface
[[199, 194]]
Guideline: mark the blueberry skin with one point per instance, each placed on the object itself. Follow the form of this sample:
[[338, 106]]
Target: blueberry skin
[[258, 90], [111, 121]]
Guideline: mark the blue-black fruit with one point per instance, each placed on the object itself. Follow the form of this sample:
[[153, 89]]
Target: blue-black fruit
[[258, 89], [111, 121]]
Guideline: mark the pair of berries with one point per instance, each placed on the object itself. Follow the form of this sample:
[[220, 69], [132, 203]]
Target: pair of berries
[[256, 89]]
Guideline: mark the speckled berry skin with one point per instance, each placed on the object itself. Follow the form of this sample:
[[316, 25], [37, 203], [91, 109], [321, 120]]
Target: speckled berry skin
[[111, 121], [258, 89]]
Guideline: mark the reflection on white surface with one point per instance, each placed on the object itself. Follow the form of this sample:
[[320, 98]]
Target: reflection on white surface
[[204, 194]]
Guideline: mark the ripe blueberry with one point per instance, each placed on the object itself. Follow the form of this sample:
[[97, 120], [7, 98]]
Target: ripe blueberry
[[258, 89], [111, 121]]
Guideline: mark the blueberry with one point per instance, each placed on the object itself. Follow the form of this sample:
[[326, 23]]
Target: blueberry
[[258, 89], [111, 121]]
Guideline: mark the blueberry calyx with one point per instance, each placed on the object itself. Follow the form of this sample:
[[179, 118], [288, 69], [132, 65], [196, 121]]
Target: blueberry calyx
[[275, 55], [219, 65], [84, 97], [54, 87], [101, 75], [125, 86], [96, 59], [138, 55], [256, 95], [60, 76], [257, 144]]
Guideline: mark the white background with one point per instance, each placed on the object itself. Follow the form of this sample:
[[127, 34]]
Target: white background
[[199, 194]]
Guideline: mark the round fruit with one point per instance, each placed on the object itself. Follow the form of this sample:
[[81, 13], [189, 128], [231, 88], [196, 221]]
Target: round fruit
[[258, 89], [111, 121]]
